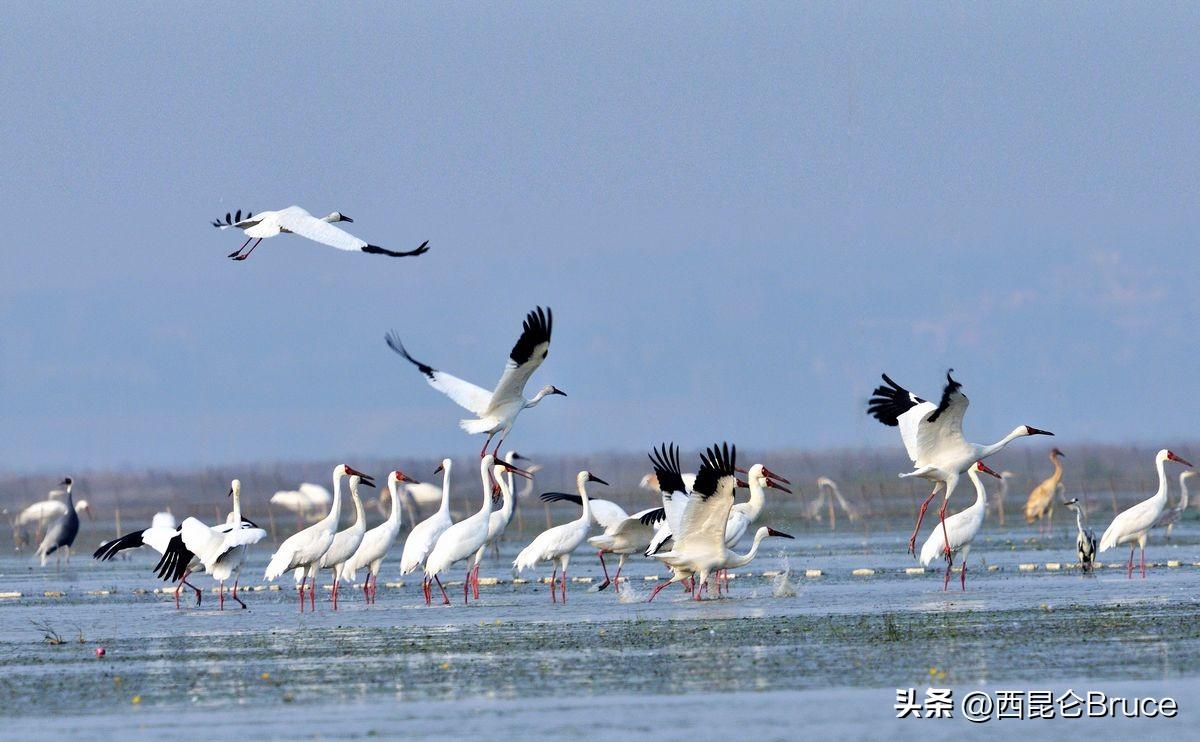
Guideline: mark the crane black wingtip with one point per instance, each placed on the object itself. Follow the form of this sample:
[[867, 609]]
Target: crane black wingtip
[[393, 341], [377, 250]]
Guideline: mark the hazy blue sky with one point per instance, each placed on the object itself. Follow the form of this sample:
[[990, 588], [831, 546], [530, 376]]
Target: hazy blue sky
[[740, 214]]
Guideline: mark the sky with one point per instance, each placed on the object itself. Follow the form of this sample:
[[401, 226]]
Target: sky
[[740, 214]]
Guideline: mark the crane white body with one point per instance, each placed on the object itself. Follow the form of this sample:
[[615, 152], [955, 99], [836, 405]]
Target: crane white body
[[1132, 526], [462, 539], [424, 535], [377, 542], [556, 544], [295, 220], [345, 542], [961, 528], [222, 550], [306, 500]]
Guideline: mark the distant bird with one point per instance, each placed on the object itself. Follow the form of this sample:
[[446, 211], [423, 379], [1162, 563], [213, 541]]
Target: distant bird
[[962, 529], [496, 411], [158, 537], [41, 513], [1132, 526], [345, 542], [1085, 540], [309, 501], [61, 534], [699, 548], [468, 536], [1002, 493], [1041, 500], [298, 221], [377, 541], [222, 549], [829, 494], [425, 534], [305, 548], [1171, 515], [557, 543], [933, 437]]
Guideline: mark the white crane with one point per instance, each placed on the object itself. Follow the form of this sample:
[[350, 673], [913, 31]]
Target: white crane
[[673, 485], [158, 537], [222, 550], [461, 540], [62, 532], [1172, 515], [309, 501], [296, 220], [1133, 525], [377, 541], [1085, 540], [499, 519], [305, 548], [745, 514], [830, 493], [425, 534], [630, 535], [345, 542], [961, 529], [556, 544], [612, 518], [497, 410], [699, 548], [933, 438]]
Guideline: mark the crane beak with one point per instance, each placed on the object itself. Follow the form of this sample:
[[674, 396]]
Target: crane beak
[[519, 472], [367, 479], [780, 534], [776, 485], [775, 476], [230, 492], [402, 477], [440, 468], [987, 470], [347, 219], [596, 479], [742, 484], [1172, 457], [559, 392], [1036, 431]]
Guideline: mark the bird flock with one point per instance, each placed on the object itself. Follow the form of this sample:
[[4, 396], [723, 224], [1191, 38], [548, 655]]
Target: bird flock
[[693, 531]]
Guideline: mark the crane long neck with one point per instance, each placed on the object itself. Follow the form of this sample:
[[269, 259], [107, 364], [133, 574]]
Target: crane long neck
[[980, 490], [583, 495], [445, 506], [359, 516], [741, 560], [1058, 470], [999, 445], [1079, 518], [335, 508], [1183, 493], [758, 498], [70, 497], [394, 513], [237, 509], [506, 494], [536, 398], [1162, 479], [485, 476]]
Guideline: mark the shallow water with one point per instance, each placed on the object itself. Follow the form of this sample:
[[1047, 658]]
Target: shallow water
[[779, 654]]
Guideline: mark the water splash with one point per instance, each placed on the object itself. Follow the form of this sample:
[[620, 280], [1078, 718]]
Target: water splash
[[782, 586], [630, 593]]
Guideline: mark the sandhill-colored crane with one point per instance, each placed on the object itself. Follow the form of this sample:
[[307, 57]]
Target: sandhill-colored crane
[[829, 494], [960, 528], [1041, 500], [1131, 526], [1085, 539], [295, 220], [496, 411], [933, 438]]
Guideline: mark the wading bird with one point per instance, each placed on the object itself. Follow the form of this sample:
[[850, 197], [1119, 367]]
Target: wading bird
[[1085, 539], [672, 485], [1001, 493], [468, 536], [699, 548], [960, 528], [499, 519], [557, 543], [158, 536], [1041, 500], [296, 220], [222, 549], [933, 438], [305, 548], [425, 534], [496, 411], [61, 534], [1132, 526], [345, 542], [309, 501], [608, 515], [377, 541], [829, 494], [1171, 515]]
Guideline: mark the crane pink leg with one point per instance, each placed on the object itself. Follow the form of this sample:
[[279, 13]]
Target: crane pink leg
[[483, 451], [945, 534], [553, 583], [467, 585], [656, 591], [962, 578], [445, 598], [1129, 571], [564, 585], [946, 581], [605, 568], [235, 595], [617, 578], [221, 596], [912, 541], [1143, 562], [301, 591], [312, 594]]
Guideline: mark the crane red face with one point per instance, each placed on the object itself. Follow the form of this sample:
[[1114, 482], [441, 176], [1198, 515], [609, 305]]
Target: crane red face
[[402, 477], [367, 479], [1172, 457], [986, 469]]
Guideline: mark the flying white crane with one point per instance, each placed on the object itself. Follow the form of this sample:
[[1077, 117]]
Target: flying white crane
[[961, 528], [933, 438], [461, 540], [699, 548], [222, 550], [1172, 515], [496, 411], [556, 544], [1133, 525], [158, 537], [1085, 539], [673, 485], [298, 221], [425, 534], [305, 548], [377, 541], [345, 542]]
